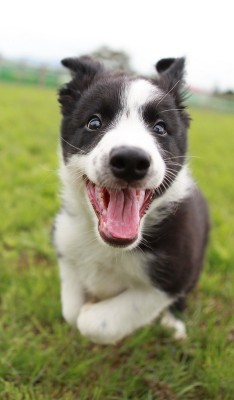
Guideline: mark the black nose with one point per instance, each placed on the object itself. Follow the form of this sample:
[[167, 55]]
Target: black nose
[[129, 163]]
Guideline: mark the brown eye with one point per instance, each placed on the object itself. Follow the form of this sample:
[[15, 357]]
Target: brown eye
[[94, 123], [160, 128]]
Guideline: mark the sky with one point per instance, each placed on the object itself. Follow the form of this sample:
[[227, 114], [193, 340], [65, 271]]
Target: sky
[[147, 30]]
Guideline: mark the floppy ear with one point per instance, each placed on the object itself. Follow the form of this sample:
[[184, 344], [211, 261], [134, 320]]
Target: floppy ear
[[83, 71], [82, 67], [171, 73]]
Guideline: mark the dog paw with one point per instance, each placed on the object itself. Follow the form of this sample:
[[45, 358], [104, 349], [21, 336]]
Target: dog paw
[[170, 321], [97, 324]]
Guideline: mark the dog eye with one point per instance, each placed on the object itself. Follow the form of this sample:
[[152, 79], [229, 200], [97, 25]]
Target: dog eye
[[94, 123], [160, 128]]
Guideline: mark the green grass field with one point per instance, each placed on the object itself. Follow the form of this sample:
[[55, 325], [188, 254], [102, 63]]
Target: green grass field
[[40, 356]]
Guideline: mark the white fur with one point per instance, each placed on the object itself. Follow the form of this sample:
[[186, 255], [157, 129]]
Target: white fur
[[110, 320], [128, 130], [140, 92], [182, 186], [170, 321], [114, 279]]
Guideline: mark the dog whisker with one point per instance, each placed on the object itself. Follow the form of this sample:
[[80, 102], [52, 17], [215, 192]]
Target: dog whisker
[[72, 145], [146, 244], [173, 87], [172, 109], [171, 163]]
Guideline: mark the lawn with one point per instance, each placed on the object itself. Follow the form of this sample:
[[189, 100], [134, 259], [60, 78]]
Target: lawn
[[40, 356]]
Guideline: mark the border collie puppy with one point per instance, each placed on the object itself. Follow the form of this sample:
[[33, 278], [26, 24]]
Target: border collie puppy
[[133, 227]]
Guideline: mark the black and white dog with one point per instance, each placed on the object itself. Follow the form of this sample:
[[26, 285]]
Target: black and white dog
[[132, 231]]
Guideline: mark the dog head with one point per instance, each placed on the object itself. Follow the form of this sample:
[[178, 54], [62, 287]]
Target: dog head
[[124, 140]]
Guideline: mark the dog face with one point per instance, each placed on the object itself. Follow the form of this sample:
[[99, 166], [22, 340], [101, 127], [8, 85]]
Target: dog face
[[124, 139]]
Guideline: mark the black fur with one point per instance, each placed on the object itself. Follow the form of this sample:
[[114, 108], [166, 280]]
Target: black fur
[[95, 91], [174, 249], [91, 92]]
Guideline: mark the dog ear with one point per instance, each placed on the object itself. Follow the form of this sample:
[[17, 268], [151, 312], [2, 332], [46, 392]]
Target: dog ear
[[83, 67], [171, 73], [83, 71], [171, 80]]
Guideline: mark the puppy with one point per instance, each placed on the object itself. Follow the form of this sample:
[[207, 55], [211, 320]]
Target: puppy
[[133, 226]]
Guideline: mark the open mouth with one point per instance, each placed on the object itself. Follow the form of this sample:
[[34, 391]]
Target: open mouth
[[119, 211]]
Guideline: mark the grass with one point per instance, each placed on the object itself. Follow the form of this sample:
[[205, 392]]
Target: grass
[[40, 356]]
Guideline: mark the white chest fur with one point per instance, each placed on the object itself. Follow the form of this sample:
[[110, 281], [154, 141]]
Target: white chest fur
[[103, 271]]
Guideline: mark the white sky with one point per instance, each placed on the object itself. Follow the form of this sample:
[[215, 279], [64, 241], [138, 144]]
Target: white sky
[[201, 30]]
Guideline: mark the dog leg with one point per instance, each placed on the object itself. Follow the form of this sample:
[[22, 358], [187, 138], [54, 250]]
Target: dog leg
[[170, 321], [110, 320], [72, 296]]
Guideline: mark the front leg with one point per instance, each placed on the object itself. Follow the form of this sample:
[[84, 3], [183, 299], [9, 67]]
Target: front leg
[[72, 296], [111, 320]]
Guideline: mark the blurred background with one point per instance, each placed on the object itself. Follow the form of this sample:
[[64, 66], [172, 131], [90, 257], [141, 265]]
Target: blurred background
[[41, 358], [35, 36]]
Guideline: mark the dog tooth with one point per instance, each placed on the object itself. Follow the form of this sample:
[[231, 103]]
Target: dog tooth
[[98, 196], [141, 197]]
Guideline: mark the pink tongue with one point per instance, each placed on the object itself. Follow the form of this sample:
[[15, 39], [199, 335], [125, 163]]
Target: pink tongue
[[122, 219]]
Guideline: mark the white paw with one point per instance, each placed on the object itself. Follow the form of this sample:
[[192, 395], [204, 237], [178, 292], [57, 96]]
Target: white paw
[[97, 324], [169, 321]]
